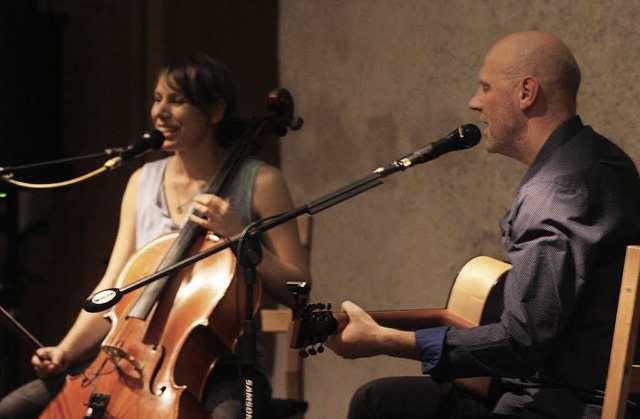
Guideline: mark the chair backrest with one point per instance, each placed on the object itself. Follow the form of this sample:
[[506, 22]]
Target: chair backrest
[[623, 376], [279, 320]]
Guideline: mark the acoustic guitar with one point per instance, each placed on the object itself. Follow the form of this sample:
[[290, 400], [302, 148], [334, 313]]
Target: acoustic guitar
[[475, 299]]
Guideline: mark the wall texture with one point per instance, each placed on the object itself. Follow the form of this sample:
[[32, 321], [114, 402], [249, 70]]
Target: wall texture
[[376, 79]]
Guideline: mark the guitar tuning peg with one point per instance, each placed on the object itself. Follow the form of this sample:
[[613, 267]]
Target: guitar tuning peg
[[320, 348], [312, 351], [329, 306], [302, 353]]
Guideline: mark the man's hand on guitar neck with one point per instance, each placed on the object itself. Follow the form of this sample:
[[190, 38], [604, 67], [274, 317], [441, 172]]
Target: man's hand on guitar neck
[[361, 336]]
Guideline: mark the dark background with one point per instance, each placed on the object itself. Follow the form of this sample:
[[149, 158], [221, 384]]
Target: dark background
[[76, 77]]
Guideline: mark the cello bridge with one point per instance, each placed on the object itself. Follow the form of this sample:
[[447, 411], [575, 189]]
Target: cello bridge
[[116, 354]]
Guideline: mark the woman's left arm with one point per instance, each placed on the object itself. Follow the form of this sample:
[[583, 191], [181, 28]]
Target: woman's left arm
[[283, 258]]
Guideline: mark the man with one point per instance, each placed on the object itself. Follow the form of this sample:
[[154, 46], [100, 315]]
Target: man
[[576, 210]]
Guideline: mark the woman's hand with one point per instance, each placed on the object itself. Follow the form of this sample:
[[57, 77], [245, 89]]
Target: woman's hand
[[49, 361], [218, 215]]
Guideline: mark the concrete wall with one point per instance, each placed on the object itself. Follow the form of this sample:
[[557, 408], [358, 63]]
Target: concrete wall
[[376, 79]]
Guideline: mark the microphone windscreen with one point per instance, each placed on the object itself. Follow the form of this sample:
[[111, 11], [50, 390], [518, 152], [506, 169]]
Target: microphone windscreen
[[153, 138], [470, 135]]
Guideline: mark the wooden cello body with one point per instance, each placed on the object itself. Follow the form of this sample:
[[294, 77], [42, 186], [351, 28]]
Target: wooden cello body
[[166, 338], [158, 368]]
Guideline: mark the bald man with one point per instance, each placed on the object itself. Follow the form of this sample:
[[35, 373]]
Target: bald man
[[576, 210]]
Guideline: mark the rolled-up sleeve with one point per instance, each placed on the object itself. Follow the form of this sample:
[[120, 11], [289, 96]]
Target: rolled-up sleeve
[[430, 343]]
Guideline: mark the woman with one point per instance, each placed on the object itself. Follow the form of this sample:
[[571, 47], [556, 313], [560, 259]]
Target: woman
[[193, 100]]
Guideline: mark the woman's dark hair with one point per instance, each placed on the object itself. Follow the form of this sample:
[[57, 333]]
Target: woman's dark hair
[[204, 82]]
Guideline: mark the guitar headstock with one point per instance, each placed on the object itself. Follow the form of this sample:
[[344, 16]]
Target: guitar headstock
[[312, 325]]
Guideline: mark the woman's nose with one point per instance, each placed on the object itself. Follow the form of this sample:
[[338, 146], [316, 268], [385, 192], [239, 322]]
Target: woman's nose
[[159, 110]]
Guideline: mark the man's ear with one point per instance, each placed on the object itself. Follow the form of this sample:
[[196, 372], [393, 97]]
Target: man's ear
[[216, 112], [528, 89]]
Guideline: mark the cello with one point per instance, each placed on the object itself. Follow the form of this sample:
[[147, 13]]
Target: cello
[[166, 338]]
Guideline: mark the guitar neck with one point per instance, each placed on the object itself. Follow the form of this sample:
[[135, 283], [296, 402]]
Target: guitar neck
[[476, 298]]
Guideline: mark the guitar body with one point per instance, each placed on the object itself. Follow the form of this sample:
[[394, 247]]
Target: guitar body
[[476, 294], [475, 299]]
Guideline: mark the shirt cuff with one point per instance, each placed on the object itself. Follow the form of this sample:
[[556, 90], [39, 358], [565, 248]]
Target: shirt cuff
[[430, 343]]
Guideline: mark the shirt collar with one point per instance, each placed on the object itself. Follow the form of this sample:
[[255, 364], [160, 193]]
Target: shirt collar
[[559, 136]]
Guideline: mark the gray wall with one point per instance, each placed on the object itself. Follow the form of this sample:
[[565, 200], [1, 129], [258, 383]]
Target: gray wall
[[376, 79]]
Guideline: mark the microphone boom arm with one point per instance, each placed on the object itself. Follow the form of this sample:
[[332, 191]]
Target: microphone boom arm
[[151, 140], [105, 299]]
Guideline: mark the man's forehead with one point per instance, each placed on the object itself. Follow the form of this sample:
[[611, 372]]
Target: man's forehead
[[498, 64], [488, 70]]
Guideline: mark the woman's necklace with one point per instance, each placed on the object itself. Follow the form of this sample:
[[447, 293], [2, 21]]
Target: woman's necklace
[[180, 203], [180, 207]]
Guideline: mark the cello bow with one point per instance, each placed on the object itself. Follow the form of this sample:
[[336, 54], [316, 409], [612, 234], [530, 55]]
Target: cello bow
[[20, 330]]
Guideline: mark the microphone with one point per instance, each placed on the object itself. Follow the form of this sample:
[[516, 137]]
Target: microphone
[[463, 137], [151, 140]]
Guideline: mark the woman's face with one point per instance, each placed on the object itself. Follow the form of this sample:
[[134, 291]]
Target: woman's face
[[182, 123]]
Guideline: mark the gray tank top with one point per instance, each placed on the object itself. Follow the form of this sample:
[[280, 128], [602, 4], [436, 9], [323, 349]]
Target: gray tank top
[[153, 219]]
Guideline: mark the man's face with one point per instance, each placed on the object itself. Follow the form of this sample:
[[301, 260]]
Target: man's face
[[496, 100]]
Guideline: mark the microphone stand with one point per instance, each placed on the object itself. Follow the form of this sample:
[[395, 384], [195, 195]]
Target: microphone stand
[[8, 171], [106, 298], [117, 156], [248, 248], [248, 254]]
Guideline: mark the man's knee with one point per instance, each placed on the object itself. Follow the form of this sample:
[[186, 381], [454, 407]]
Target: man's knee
[[360, 405], [370, 398]]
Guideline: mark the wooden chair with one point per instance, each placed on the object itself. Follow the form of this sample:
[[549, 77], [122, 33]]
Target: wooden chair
[[279, 320], [623, 376]]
